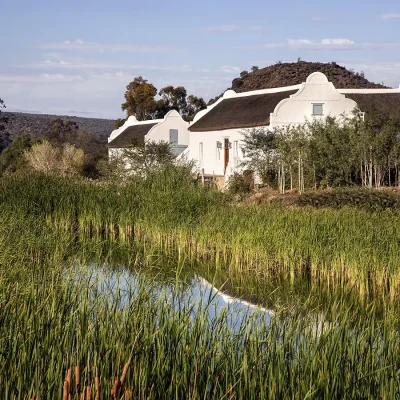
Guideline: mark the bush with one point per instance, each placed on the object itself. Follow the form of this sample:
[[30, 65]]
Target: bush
[[368, 199], [241, 183]]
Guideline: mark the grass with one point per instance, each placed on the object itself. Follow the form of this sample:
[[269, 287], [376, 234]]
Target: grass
[[348, 246], [56, 314]]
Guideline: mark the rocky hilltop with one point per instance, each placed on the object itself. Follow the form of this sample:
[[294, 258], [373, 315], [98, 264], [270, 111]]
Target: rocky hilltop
[[287, 74]]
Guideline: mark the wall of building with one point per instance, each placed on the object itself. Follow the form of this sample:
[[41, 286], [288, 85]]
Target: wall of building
[[212, 159], [161, 132], [299, 107]]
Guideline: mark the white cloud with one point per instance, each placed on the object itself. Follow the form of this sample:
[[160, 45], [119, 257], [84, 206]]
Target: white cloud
[[390, 16], [80, 45], [223, 28], [299, 42], [337, 41], [230, 69]]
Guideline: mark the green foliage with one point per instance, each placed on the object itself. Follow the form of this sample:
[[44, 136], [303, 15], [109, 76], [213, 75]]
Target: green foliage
[[259, 147], [362, 198], [240, 184], [140, 101], [119, 122], [12, 158], [4, 136], [145, 157], [55, 313], [330, 152]]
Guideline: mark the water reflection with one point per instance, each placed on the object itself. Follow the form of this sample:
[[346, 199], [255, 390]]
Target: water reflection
[[121, 285]]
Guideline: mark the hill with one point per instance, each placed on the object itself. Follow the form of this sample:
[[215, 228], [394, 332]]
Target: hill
[[37, 124], [287, 74]]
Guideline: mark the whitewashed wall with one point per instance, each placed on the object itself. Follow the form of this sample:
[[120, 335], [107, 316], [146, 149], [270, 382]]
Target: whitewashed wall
[[161, 132], [299, 107]]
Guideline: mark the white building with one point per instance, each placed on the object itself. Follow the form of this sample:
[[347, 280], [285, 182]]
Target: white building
[[171, 129], [216, 133], [214, 139]]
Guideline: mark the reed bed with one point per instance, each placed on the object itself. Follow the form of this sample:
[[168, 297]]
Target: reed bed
[[57, 314], [69, 319], [335, 247]]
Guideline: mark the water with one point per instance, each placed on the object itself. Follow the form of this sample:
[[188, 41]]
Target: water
[[121, 285]]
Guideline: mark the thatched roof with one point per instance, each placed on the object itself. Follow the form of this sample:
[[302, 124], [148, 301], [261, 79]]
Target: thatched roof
[[240, 112], [385, 104], [135, 133]]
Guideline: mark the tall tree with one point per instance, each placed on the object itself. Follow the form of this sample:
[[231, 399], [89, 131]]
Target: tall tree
[[140, 99], [194, 105]]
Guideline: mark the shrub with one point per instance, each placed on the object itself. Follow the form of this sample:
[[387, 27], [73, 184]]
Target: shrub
[[241, 183]]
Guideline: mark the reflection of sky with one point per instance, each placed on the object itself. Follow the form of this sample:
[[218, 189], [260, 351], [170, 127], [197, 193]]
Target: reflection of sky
[[123, 285]]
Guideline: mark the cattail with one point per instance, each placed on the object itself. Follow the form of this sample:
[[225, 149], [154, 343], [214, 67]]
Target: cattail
[[66, 390], [115, 389], [69, 377], [77, 377], [124, 372], [88, 393], [97, 386], [128, 395]]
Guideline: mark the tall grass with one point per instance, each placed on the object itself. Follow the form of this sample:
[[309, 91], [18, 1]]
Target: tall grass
[[346, 246], [56, 314], [68, 320]]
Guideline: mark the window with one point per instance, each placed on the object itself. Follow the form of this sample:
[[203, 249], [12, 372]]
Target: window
[[218, 147], [236, 149], [201, 151], [173, 137], [318, 109]]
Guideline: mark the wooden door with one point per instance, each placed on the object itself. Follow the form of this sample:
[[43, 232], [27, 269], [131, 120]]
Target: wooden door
[[226, 153]]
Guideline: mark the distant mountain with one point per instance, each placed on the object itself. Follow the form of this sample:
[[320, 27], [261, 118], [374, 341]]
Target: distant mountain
[[37, 124], [288, 74]]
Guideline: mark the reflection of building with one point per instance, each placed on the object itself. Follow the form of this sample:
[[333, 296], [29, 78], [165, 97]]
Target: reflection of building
[[213, 139], [171, 129]]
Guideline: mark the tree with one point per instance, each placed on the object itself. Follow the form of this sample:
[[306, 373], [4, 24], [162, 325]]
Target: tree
[[43, 157], [244, 74], [50, 160], [143, 158], [72, 160], [254, 68], [140, 99], [194, 105], [259, 149], [141, 102], [3, 119], [172, 98], [5, 139], [59, 132], [12, 158], [119, 122]]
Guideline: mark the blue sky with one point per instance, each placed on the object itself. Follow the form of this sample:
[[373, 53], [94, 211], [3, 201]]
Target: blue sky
[[76, 57]]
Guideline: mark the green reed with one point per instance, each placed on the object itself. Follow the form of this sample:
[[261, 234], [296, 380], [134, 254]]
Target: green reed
[[55, 314], [346, 246]]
